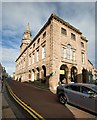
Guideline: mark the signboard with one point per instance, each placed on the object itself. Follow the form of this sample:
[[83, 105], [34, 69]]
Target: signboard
[[62, 72], [54, 73]]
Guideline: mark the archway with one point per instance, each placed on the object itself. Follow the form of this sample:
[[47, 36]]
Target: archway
[[29, 75], [63, 73], [44, 74], [84, 75], [74, 74], [44, 71], [38, 73]]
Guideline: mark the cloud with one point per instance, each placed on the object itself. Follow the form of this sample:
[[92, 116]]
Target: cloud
[[49, 1], [16, 15], [9, 56], [81, 16]]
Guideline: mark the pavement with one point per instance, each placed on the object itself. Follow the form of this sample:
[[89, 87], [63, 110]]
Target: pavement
[[5, 109], [78, 113]]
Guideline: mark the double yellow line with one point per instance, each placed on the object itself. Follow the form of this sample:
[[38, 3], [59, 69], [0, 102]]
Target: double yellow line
[[32, 112]]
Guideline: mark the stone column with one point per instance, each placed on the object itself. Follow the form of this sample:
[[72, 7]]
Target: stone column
[[69, 76]]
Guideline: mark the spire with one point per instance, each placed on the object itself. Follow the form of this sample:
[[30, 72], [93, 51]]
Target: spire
[[28, 28], [27, 38], [27, 33]]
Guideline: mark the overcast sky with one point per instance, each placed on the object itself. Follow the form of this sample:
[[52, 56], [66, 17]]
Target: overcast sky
[[16, 15]]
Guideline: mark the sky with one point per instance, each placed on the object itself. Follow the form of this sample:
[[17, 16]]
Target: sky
[[16, 15]]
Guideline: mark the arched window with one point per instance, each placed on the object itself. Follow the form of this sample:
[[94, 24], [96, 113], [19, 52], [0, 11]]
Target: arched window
[[69, 52]]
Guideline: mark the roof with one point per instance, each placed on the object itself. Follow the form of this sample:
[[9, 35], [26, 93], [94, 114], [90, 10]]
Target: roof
[[84, 38], [90, 62], [53, 16]]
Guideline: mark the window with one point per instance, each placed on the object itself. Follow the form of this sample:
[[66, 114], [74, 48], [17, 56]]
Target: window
[[69, 52], [63, 54], [33, 45], [86, 90], [44, 34], [24, 63], [74, 88], [37, 56], [73, 56], [33, 58], [43, 52], [83, 58], [73, 36], [29, 59], [63, 31], [38, 41], [82, 44]]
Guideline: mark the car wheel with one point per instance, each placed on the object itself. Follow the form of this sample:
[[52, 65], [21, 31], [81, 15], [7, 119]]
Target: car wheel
[[62, 99]]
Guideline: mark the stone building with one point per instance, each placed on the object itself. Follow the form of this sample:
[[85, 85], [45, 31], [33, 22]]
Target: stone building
[[57, 53], [1, 69], [3, 73]]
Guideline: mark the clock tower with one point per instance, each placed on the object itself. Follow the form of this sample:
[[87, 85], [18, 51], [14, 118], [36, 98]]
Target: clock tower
[[27, 38]]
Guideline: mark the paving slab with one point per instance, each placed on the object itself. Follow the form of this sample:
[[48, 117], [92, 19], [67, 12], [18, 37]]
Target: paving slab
[[6, 109], [78, 113]]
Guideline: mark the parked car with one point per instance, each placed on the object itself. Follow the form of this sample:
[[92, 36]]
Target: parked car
[[79, 94]]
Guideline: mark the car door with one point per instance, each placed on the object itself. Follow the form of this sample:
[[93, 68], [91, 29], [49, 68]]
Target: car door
[[72, 93], [88, 101]]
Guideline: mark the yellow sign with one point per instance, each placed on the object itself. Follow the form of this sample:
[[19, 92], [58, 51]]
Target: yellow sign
[[62, 72]]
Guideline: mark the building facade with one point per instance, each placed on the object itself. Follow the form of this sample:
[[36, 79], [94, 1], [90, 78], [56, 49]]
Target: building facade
[[58, 53], [3, 73]]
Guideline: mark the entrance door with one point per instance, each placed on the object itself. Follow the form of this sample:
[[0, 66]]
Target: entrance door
[[74, 74], [84, 75], [63, 73]]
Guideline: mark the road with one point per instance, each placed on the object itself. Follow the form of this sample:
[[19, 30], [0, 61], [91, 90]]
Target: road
[[11, 109], [45, 103]]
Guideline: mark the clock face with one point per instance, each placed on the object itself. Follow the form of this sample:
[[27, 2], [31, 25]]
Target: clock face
[[25, 36], [26, 41]]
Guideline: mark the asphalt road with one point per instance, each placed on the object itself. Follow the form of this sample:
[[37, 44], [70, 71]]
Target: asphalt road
[[43, 102], [19, 112]]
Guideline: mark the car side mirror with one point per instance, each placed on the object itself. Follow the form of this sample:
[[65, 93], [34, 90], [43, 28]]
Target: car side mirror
[[91, 96]]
